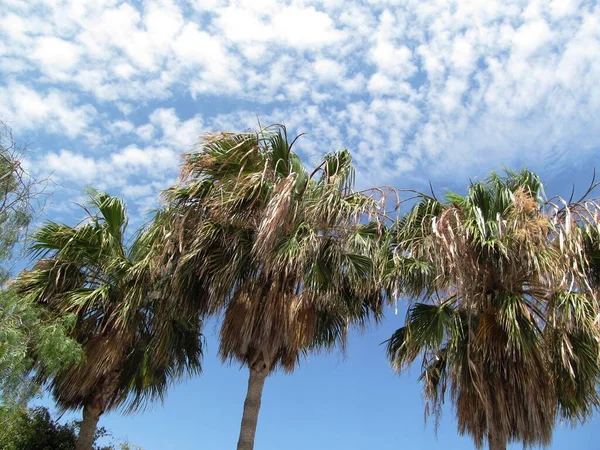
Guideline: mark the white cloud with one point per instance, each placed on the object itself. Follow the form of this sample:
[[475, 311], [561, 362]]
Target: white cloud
[[298, 26], [240, 25], [195, 46], [70, 165], [175, 132], [329, 70], [201, 52], [530, 37], [162, 20], [561, 8], [152, 160], [122, 126], [57, 53], [305, 27], [124, 70], [145, 132], [380, 83], [463, 55], [27, 109], [392, 59], [413, 87], [137, 191], [134, 171]]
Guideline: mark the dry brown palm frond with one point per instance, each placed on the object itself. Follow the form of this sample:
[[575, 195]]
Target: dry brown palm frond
[[505, 398], [103, 356], [275, 220]]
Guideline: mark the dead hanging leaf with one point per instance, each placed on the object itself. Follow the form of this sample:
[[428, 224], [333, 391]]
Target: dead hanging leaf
[[275, 220]]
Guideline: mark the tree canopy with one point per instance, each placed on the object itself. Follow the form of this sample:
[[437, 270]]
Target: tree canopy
[[506, 316], [28, 334]]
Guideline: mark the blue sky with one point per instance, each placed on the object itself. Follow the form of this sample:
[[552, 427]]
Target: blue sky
[[110, 93], [332, 401]]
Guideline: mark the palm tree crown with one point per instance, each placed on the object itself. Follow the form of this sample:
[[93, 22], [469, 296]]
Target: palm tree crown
[[507, 315], [133, 342]]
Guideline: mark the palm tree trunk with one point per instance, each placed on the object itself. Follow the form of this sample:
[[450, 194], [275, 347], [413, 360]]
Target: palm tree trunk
[[87, 430], [256, 382], [94, 409], [497, 443]]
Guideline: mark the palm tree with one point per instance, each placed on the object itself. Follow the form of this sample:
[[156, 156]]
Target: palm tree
[[289, 258], [134, 343], [506, 317]]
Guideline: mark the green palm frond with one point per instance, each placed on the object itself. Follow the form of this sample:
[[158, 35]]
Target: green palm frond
[[428, 328]]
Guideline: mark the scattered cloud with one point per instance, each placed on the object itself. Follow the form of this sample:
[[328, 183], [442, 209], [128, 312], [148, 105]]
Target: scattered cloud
[[25, 108], [113, 170], [180, 134], [420, 89]]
